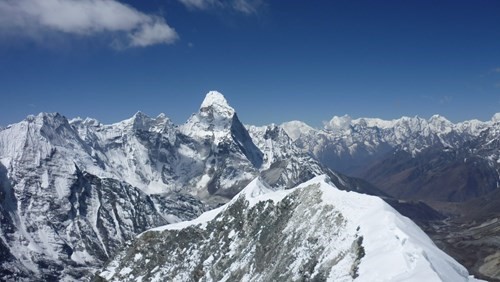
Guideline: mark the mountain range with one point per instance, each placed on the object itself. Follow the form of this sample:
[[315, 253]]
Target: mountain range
[[74, 194], [409, 157], [452, 167]]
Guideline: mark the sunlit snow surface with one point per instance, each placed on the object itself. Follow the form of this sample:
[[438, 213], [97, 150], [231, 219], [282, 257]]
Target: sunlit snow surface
[[395, 248]]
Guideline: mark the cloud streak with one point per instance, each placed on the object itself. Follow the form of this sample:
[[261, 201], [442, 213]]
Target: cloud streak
[[30, 18], [243, 6]]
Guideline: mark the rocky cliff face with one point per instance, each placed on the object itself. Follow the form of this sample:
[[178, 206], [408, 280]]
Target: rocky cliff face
[[59, 220]]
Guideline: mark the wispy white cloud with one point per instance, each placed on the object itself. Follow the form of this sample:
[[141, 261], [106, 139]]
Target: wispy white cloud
[[243, 6], [247, 6], [156, 32], [84, 18], [201, 4]]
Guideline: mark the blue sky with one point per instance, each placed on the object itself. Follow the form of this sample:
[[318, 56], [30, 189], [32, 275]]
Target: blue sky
[[273, 60]]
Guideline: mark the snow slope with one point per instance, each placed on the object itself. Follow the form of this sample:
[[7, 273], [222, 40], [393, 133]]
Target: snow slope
[[313, 231]]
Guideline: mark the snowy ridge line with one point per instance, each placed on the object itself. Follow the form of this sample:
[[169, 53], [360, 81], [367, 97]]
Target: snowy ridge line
[[367, 240]]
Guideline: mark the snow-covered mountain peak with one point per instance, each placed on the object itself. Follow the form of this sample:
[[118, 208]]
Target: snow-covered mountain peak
[[438, 118], [214, 97], [140, 120], [296, 128], [143, 122], [46, 128], [338, 123], [440, 124], [496, 118], [214, 120], [46, 119], [216, 103]]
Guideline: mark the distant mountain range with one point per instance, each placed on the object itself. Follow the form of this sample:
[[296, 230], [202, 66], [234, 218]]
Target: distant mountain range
[[410, 158], [454, 168], [75, 193]]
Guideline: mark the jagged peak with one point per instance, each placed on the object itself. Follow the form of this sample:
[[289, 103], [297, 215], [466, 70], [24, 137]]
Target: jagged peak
[[46, 119], [215, 101], [141, 121], [407, 119], [440, 124], [214, 98], [214, 119], [276, 132], [43, 115], [139, 115], [138, 121], [295, 128], [438, 119]]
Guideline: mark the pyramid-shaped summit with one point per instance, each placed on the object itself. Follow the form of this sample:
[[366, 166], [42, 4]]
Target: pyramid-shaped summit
[[217, 121], [214, 98], [217, 104]]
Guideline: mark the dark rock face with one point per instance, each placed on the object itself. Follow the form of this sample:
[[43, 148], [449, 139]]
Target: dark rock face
[[245, 143]]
